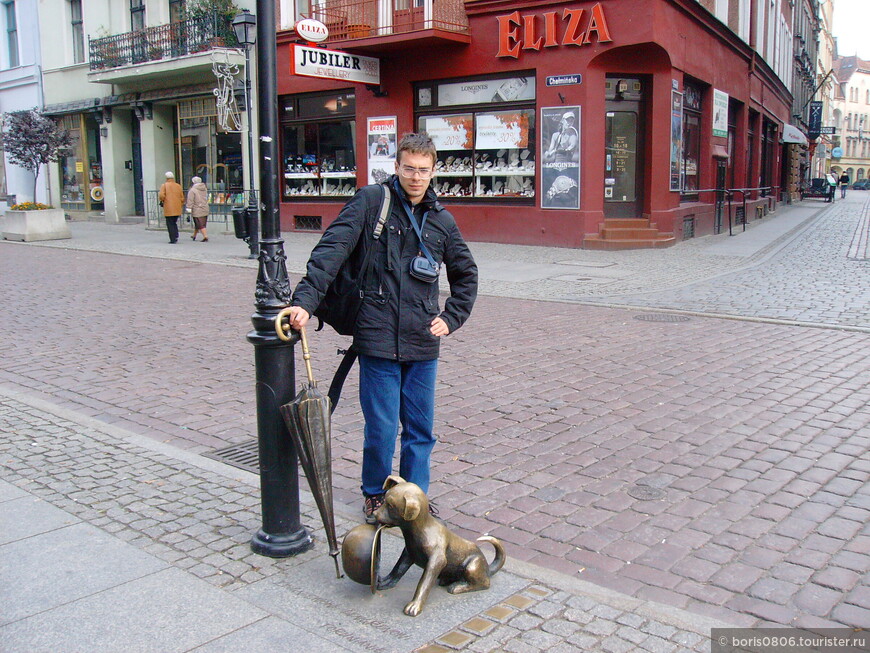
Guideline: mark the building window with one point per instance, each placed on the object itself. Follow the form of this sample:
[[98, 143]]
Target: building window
[[691, 138], [176, 11], [318, 133], [485, 132], [78, 30], [11, 34], [137, 15]]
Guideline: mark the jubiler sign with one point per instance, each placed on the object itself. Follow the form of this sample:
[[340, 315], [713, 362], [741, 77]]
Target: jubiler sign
[[333, 64]]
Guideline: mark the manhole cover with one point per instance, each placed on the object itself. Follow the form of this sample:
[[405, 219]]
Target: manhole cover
[[661, 317], [244, 456], [645, 492]]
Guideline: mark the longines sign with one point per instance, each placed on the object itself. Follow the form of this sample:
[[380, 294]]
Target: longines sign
[[333, 64]]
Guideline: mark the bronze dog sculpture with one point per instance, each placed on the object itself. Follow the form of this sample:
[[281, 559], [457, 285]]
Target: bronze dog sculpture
[[445, 557]]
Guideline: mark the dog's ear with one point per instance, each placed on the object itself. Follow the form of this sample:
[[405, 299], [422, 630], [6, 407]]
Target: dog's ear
[[392, 481], [412, 508]]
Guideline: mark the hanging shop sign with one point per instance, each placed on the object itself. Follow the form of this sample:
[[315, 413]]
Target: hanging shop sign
[[334, 64], [311, 30], [720, 113], [676, 140], [560, 156], [382, 140], [815, 122], [551, 29]]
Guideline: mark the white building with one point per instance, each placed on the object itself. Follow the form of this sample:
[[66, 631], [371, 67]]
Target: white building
[[852, 112], [134, 81], [20, 89]]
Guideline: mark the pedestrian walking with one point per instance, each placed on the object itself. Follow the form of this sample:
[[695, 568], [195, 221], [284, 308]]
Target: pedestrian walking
[[844, 184], [399, 327], [197, 204], [171, 198], [832, 180]]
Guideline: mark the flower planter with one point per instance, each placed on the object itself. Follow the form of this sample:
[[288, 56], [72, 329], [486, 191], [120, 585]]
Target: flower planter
[[47, 224]]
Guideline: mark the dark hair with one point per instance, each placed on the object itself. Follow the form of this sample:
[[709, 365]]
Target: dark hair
[[419, 143]]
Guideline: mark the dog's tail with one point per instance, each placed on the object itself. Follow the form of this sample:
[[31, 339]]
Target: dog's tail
[[500, 556]]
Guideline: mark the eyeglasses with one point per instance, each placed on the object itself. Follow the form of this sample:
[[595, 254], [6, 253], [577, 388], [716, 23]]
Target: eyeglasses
[[408, 172]]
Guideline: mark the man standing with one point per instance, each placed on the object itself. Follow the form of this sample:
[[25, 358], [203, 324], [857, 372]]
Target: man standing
[[171, 198], [399, 326]]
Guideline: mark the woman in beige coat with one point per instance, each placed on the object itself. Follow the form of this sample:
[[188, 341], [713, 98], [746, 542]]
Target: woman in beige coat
[[197, 204]]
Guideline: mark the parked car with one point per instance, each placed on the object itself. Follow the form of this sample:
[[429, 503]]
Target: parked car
[[861, 184]]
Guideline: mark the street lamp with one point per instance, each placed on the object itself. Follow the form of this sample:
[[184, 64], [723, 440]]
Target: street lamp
[[245, 27], [282, 533]]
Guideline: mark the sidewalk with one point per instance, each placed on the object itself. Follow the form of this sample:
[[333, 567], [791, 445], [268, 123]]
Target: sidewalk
[[547, 273], [115, 543]]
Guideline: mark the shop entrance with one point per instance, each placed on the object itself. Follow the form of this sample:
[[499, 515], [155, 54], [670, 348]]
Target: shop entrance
[[623, 148]]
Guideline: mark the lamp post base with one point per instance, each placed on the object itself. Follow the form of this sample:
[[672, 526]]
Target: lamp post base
[[283, 545]]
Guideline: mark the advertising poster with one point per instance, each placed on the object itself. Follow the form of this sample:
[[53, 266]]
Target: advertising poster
[[485, 91], [502, 129], [450, 132], [676, 140], [382, 142], [560, 157], [720, 113]]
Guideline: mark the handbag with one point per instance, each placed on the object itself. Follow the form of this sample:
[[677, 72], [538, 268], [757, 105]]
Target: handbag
[[344, 296]]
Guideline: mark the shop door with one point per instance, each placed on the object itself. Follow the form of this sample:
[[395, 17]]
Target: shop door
[[623, 143], [138, 190], [407, 15]]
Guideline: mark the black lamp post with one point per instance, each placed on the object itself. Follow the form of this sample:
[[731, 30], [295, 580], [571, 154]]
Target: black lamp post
[[245, 27], [282, 533]]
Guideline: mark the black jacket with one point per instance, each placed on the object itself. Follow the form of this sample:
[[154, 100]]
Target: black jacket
[[397, 309]]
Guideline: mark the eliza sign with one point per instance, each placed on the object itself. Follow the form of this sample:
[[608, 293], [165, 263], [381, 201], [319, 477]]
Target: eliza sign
[[333, 64], [311, 30], [518, 31]]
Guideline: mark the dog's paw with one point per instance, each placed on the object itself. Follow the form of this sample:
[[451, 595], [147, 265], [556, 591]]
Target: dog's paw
[[414, 608]]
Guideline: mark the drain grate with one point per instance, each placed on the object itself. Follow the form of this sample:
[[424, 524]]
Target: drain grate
[[661, 317], [645, 492], [244, 456]]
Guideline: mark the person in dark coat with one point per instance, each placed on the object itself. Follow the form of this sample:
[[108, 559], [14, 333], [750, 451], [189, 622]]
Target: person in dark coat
[[399, 327], [844, 184]]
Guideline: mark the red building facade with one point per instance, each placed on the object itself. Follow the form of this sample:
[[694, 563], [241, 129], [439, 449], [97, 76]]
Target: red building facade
[[598, 124]]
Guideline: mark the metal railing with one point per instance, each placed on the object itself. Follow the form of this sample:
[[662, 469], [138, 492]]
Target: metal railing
[[765, 192], [357, 19], [170, 41], [219, 212]]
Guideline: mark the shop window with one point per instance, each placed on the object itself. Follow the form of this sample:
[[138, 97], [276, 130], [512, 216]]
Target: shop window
[[318, 133], [692, 106], [486, 142], [209, 152], [81, 170]]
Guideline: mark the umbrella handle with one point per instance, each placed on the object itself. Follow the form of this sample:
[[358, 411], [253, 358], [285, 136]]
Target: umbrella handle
[[306, 356]]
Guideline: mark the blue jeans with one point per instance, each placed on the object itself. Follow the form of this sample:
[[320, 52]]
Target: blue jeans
[[391, 393]]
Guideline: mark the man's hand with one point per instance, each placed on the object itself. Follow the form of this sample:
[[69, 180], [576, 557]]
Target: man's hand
[[438, 327], [298, 317]]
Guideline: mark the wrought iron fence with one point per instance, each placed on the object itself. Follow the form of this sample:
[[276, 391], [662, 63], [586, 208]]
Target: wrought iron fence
[[220, 209], [162, 42], [355, 19]]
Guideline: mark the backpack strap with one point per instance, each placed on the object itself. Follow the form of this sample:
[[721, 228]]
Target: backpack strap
[[386, 202]]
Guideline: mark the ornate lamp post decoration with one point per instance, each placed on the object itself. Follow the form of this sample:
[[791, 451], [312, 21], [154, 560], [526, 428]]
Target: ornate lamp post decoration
[[282, 533], [245, 28]]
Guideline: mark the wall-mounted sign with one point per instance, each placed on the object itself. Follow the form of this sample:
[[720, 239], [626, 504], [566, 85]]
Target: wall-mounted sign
[[720, 113], [333, 64], [837, 152], [827, 130], [676, 141], [564, 80], [484, 91], [550, 29], [311, 30]]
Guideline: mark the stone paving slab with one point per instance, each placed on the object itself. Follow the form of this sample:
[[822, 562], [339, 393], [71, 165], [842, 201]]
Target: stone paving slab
[[212, 594]]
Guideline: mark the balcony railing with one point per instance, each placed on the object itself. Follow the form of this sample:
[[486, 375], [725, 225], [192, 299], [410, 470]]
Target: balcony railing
[[358, 19], [162, 42]]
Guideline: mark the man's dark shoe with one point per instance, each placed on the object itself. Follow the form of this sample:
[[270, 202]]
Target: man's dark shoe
[[370, 506]]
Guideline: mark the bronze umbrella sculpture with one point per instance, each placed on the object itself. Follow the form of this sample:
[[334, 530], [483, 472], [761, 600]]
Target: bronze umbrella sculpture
[[308, 420]]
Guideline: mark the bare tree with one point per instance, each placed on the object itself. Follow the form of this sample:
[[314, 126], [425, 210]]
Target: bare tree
[[32, 139]]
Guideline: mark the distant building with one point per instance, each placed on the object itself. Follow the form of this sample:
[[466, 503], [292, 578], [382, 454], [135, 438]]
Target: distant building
[[852, 115], [20, 88]]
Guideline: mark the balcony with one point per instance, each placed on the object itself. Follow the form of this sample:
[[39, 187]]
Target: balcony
[[136, 55], [383, 25]]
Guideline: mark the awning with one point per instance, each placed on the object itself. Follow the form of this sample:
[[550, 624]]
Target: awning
[[791, 134]]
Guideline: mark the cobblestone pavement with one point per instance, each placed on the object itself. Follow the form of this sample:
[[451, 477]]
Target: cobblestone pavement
[[715, 465], [200, 520]]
